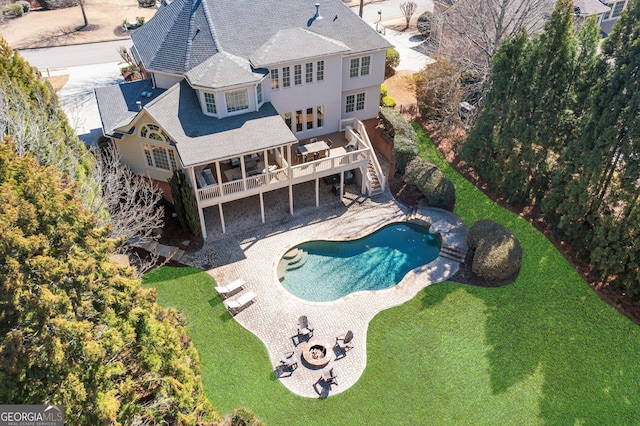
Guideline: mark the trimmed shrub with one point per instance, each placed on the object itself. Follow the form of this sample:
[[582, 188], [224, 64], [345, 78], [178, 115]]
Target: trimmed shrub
[[392, 60], [25, 5], [12, 11], [424, 24], [437, 189], [57, 4], [244, 417], [405, 140], [383, 91], [146, 3], [497, 252], [388, 102]]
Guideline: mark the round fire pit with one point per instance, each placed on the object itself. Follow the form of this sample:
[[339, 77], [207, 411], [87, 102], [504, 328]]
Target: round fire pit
[[317, 353]]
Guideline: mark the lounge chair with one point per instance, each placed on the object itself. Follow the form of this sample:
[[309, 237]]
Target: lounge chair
[[303, 327], [329, 376], [289, 360], [344, 341], [235, 306], [231, 288]]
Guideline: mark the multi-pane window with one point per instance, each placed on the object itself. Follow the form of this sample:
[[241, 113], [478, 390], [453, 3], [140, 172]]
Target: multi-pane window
[[286, 77], [298, 121], [309, 118], [237, 100], [320, 71], [275, 84], [320, 115], [359, 66], [364, 65], [210, 102], [159, 157], [309, 72], [359, 101], [354, 67], [617, 9], [152, 131], [351, 100], [297, 74], [259, 93]]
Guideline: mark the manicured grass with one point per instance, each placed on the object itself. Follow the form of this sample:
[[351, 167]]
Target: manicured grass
[[545, 349]]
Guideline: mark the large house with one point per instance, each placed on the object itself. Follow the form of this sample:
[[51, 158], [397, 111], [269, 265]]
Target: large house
[[247, 97]]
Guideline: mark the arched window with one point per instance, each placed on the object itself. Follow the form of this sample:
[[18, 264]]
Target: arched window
[[158, 157]]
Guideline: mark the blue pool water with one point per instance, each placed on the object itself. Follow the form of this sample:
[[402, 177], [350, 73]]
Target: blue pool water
[[333, 269]]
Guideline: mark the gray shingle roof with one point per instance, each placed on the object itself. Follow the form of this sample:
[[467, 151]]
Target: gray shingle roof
[[176, 39], [295, 44], [223, 70], [201, 139], [117, 104], [184, 33]]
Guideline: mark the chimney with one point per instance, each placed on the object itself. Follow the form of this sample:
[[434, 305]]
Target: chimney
[[139, 105]]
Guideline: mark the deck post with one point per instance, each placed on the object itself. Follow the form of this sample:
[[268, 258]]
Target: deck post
[[317, 191], [224, 231], [261, 206], [290, 181], [290, 199], [219, 176], [365, 177], [203, 226], [341, 184]]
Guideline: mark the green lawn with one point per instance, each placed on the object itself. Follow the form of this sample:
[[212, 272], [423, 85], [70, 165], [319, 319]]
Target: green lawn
[[545, 349]]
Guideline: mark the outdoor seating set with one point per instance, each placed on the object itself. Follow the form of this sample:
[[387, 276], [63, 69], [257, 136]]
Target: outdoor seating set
[[313, 150], [315, 353], [236, 305]]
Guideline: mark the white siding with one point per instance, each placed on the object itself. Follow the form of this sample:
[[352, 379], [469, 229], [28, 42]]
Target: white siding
[[310, 95], [165, 81]]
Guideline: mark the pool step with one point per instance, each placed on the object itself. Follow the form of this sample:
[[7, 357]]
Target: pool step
[[453, 253], [298, 261], [293, 259]]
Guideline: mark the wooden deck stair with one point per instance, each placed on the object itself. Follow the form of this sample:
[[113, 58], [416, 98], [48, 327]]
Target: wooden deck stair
[[376, 188]]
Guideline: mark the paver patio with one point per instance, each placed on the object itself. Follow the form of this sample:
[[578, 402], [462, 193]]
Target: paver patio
[[252, 250]]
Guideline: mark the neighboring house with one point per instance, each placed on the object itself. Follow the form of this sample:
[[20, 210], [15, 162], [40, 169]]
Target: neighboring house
[[607, 18], [236, 88]]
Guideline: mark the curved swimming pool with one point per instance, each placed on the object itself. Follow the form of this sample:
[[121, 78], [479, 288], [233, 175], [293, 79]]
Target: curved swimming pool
[[322, 271]]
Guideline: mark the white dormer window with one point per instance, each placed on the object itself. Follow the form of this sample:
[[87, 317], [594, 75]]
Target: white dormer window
[[297, 74], [238, 100], [210, 103], [275, 84]]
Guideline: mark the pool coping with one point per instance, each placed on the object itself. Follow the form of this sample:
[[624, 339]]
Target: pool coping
[[281, 254], [273, 316]]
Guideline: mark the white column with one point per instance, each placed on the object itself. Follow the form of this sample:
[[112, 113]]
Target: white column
[[203, 225], [244, 176], [192, 180], [341, 184], [364, 172], [290, 199], [261, 206], [224, 231], [317, 192], [219, 176], [290, 180]]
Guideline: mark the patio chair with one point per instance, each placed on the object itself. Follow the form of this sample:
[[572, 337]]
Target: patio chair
[[329, 143], [231, 288], [344, 341], [303, 327], [312, 140], [235, 306], [329, 376], [289, 360]]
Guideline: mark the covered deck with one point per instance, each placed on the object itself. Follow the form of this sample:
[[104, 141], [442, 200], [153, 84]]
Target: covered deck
[[254, 173]]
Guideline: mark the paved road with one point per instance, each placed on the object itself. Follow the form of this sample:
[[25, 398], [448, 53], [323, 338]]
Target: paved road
[[76, 55]]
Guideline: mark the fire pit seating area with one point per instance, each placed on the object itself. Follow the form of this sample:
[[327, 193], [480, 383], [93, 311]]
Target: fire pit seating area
[[317, 353]]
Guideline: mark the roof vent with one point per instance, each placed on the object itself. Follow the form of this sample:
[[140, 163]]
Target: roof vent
[[317, 17], [139, 104]]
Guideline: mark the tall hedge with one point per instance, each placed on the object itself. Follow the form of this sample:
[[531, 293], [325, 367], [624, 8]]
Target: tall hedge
[[184, 202], [497, 253], [405, 140]]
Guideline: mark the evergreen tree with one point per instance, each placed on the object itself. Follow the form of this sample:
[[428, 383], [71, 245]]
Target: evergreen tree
[[76, 329]]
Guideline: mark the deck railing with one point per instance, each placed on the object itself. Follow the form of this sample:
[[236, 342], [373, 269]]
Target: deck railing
[[281, 175]]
